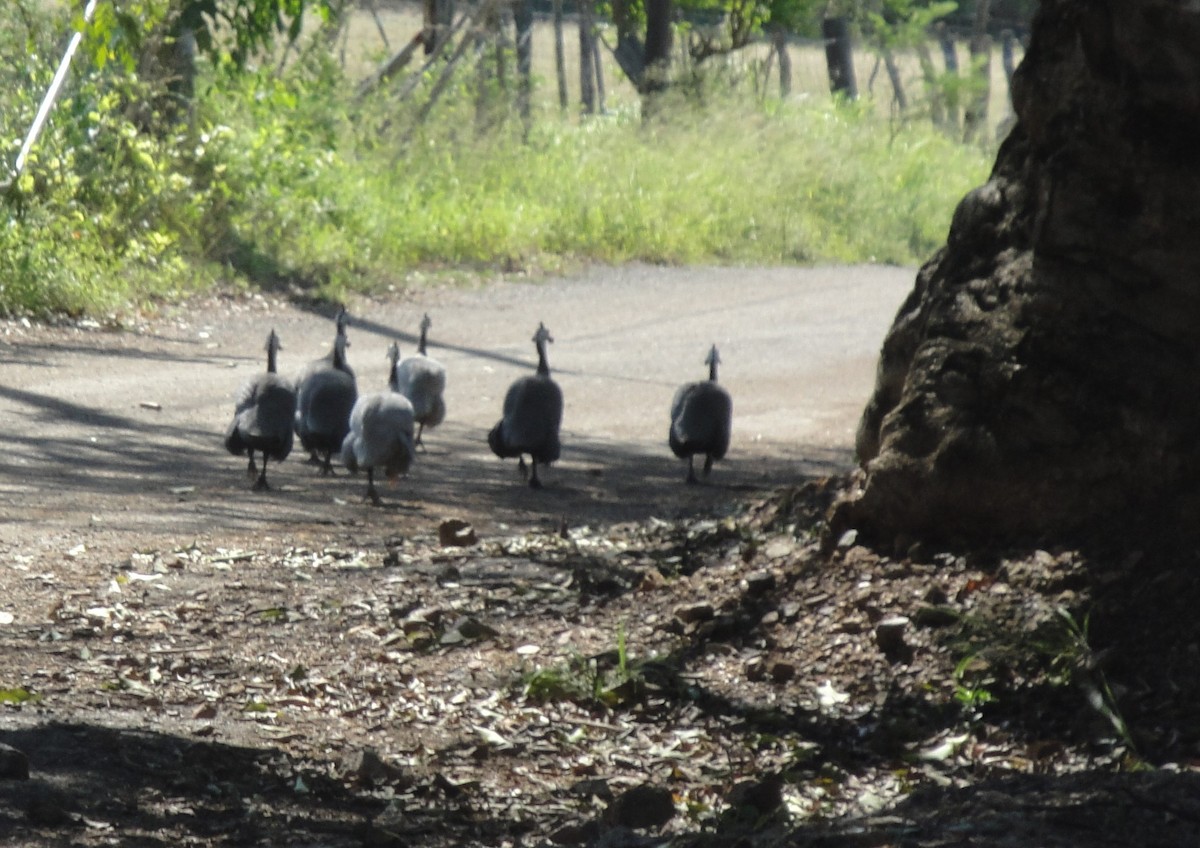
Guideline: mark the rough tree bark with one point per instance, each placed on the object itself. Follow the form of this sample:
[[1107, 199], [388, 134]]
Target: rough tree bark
[[1042, 375]]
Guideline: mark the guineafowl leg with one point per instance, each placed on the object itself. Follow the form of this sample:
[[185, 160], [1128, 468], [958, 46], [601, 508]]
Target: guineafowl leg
[[691, 478], [371, 493], [707, 466], [534, 482], [418, 443], [251, 469], [327, 465], [521, 469], [261, 483]]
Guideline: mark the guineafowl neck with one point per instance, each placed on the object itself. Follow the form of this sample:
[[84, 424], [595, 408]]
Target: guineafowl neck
[[543, 366], [421, 343], [712, 371], [271, 359]]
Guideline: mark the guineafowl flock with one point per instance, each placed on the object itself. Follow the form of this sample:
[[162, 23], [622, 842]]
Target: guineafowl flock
[[381, 431]]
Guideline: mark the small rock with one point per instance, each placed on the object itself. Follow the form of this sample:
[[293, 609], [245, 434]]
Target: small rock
[[779, 549], [366, 768], [782, 672], [49, 808], [642, 806], [789, 611], [848, 539], [770, 619], [695, 612], [456, 533], [468, 629], [14, 764], [759, 583], [753, 800], [889, 636], [576, 834], [936, 616]]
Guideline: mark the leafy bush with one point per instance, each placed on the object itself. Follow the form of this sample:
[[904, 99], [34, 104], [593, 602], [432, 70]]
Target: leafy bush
[[283, 180]]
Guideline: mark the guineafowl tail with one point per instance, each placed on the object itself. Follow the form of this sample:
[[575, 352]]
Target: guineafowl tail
[[233, 440], [497, 443]]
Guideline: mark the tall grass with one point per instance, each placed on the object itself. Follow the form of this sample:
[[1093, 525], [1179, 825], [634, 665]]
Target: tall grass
[[283, 182]]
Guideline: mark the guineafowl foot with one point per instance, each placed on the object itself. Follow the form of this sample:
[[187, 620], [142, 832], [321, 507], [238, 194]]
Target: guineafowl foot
[[691, 478], [522, 468], [251, 469], [707, 466], [261, 485]]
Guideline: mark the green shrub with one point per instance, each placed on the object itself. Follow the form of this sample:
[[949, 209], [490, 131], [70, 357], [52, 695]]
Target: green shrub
[[283, 180]]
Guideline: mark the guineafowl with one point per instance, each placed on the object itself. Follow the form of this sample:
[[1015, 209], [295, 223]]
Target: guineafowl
[[262, 418], [325, 394], [701, 418], [533, 410], [381, 432], [423, 381]]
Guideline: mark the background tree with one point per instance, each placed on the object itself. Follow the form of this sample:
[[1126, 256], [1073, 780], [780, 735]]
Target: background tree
[[1042, 374]]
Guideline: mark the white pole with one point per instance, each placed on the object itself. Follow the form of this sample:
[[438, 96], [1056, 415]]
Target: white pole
[[52, 93]]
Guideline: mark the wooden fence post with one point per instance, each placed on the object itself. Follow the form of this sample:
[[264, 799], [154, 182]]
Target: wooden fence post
[[839, 57]]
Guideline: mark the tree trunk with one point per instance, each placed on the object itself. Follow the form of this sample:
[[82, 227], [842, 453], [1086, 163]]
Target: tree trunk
[[975, 116], [950, 60], [523, 16], [587, 65], [779, 48], [893, 72], [933, 86], [598, 66], [1041, 377], [658, 46], [839, 57], [560, 57], [439, 14]]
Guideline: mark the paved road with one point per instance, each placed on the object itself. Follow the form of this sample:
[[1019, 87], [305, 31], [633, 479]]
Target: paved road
[[115, 438]]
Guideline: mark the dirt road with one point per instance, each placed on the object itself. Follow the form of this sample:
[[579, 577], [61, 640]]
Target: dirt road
[[115, 437]]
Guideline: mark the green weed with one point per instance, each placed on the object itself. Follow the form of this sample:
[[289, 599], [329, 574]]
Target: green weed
[[285, 181]]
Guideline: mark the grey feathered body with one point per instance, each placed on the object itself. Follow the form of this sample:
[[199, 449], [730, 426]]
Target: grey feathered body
[[701, 419], [324, 404], [380, 434], [532, 416], [262, 418], [423, 381]]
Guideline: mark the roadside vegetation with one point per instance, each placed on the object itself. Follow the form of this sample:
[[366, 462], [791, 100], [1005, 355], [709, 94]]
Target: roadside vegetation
[[284, 179]]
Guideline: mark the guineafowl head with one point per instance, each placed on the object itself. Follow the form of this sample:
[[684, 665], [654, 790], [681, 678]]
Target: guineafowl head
[[272, 347], [393, 357], [539, 339], [712, 361], [426, 323]]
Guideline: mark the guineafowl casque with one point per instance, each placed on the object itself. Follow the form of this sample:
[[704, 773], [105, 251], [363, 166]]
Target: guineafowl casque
[[533, 410], [381, 432], [325, 394], [701, 418], [423, 381], [263, 418]]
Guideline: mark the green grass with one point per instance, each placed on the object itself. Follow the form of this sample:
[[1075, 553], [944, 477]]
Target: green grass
[[284, 182]]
